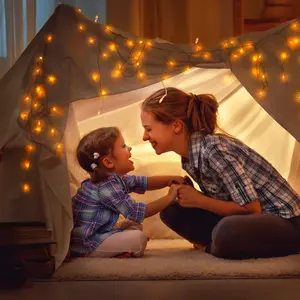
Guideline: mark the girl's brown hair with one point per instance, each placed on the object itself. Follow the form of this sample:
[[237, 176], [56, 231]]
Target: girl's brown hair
[[198, 112], [99, 141]]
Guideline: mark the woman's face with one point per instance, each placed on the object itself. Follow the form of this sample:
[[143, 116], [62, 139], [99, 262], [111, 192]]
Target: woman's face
[[161, 136]]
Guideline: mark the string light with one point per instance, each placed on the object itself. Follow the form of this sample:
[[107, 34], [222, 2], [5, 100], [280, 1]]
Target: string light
[[81, 27], [284, 77], [23, 116], [298, 97], [149, 44], [52, 131], [104, 55], [115, 74], [25, 164], [26, 188], [283, 56], [30, 148], [108, 29], [51, 79], [207, 55], [129, 43], [103, 92], [40, 91], [112, 47], [141, 75], [95, 76], [27, 99], [49, 38], [91, 41], [171, 63], [38, 128], [40, 59], [37, 71]]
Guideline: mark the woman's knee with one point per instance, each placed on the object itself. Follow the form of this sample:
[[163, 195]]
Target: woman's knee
[[170, 214], [225, 238]]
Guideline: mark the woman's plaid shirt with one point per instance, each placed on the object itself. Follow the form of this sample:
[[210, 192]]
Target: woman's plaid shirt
[[96, 209], [227, 169]]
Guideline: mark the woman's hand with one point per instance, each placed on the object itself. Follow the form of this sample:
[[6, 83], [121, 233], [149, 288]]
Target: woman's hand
[[189, 197]]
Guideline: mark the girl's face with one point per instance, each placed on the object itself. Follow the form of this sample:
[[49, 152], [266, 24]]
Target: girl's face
[[121, 157], [160, 135]]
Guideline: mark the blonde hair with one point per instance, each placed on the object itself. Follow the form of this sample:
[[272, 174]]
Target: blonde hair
[[197, 112], [100, 141]]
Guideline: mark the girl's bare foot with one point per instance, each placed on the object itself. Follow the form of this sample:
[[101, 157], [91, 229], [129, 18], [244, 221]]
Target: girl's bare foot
[[124, 255]]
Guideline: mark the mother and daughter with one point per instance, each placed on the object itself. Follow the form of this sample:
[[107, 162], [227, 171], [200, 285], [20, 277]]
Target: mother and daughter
[[245, 208]]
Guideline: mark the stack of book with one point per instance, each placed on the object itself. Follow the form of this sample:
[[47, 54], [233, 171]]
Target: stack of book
[[28, 244]]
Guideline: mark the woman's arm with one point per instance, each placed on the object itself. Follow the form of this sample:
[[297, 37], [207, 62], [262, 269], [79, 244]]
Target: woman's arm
[[189, 197], [159, 182]]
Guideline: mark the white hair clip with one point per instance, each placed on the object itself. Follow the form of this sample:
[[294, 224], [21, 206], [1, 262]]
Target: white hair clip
[[96, 155], [164, 96], [94, 166]]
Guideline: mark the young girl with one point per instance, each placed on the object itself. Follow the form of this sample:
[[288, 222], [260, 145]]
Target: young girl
[[102, 198], [246, 208]]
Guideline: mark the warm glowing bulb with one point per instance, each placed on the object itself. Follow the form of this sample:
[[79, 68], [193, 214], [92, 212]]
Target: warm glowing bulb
[[37, 71], [284, 77], [54, 109], [130, 43], [137, 64], [116, 74], [283, 56], [108, 29], [261, 93], [187, 69], [40, 91], [103, 92], [26, 188], [35, 105], [234, 56], [225, 45], [95, 76], [148, 43], [23, 116], [298, 97], [104, 55], [171, 63], [40, 58], [52, 131], [30, 147], [141, 75], [198, 48], [49, 38], [59, 147], [81, 27], [241, 50], [263, 76], [207, 55], [254, 58], [112, 47], [51, 79], [25, 164], [295, 26], [166, 77], [91, 41], [27, 99]]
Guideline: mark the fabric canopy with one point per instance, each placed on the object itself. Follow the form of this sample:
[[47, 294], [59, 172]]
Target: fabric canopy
[[77, 75]]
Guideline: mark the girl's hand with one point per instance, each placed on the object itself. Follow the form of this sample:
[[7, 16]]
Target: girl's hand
[[176, 180], [189, 197], [173, 191]]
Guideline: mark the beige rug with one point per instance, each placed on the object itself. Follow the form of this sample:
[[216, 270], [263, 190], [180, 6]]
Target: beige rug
[[176, 259]]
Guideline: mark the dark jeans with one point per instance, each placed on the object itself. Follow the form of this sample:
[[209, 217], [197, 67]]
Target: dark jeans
[[235, 237]]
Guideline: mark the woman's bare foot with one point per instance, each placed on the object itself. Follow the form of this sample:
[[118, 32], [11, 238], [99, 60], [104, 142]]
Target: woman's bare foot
[[199, 247]]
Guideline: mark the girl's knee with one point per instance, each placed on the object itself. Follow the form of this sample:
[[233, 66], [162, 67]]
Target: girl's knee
[[140, 243]]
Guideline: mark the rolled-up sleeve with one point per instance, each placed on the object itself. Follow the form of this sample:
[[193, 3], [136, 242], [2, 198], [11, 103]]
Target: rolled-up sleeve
[[231, 172], [115, 197], [136, 184]]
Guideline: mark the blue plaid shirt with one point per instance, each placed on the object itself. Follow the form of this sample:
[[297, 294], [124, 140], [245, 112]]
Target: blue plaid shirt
[[96, 209], [227, 169]]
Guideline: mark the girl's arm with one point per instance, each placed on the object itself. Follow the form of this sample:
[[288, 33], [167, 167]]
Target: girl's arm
[[159, 182], [160, 204]]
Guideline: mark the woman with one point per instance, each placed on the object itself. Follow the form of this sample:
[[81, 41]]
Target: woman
[[245, 209]]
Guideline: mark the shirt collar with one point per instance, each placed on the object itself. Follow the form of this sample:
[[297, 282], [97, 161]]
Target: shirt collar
[[194, 150]]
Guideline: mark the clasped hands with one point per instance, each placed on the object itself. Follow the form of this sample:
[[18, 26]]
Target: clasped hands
[[187, 196]]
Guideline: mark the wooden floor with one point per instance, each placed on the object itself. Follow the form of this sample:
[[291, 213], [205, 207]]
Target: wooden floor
[[258, 289]]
